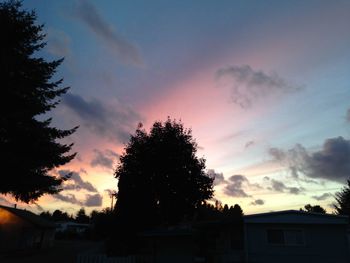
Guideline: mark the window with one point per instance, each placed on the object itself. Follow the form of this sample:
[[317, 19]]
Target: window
[[287, 237]]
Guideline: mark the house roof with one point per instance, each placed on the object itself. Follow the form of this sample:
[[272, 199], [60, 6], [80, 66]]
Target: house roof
[[30, 217], [296, 217]]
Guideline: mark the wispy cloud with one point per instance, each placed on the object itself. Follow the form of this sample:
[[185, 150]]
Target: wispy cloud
[[249, 144], [277, 154], [69, 198], [93, 200], [114, 121], [104, 159], [235, 186], [322, 196], [218, 177], [89, 201], [249, 86], [258, 202], [279, 186], [3, 200], [105, 31], [58, 43], [75, 182]]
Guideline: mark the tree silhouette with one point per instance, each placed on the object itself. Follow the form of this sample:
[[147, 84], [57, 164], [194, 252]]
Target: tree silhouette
[[236, 211], [314, 209], [47, 215], [342, 199], [81, 217], [103, 222], [28, 143], [58, 215], [207, 212], [160, 178]]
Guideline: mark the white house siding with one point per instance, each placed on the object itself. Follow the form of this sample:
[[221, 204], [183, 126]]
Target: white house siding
[[323, 243]]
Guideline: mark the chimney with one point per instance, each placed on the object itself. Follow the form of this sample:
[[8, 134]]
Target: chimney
[[15, 205]]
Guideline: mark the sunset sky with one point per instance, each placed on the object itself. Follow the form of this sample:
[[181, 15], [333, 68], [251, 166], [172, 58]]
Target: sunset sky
[[264, 86]]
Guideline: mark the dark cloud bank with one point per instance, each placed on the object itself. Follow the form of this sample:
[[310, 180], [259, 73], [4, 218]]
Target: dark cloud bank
[[331, 162]]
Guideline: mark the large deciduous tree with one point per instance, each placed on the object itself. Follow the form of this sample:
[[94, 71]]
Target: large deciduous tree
[[161, 180], [28, 143]]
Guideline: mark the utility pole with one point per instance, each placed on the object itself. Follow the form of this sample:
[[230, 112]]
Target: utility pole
[[112, 194]]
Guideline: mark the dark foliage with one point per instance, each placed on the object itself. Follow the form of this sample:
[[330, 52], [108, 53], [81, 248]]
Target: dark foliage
[[102, 222], [160, 177], [28, 146], [209, 212], [47, 215], [342, 199], [81, 217], [314, 209], [161, 181], [58, 215]]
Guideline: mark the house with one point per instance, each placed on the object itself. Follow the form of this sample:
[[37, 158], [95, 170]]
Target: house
[[21, 229], [296, 236], [205, 241], [283, 236], [72, 227], [72, 230], [173, 244]]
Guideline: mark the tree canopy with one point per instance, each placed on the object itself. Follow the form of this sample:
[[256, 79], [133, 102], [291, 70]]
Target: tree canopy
[[209, 212], [160, 177], [81, 217], [314, 209], [28, 146]]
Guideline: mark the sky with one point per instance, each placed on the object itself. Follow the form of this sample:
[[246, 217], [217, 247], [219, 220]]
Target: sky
[[264, 86]]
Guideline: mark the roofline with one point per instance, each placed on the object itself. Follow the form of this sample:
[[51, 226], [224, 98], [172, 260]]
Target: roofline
[[47, 224], [294, 212]]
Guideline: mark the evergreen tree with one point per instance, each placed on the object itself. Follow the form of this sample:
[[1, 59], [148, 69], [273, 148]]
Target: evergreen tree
[[28, 144], [342, 199]]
